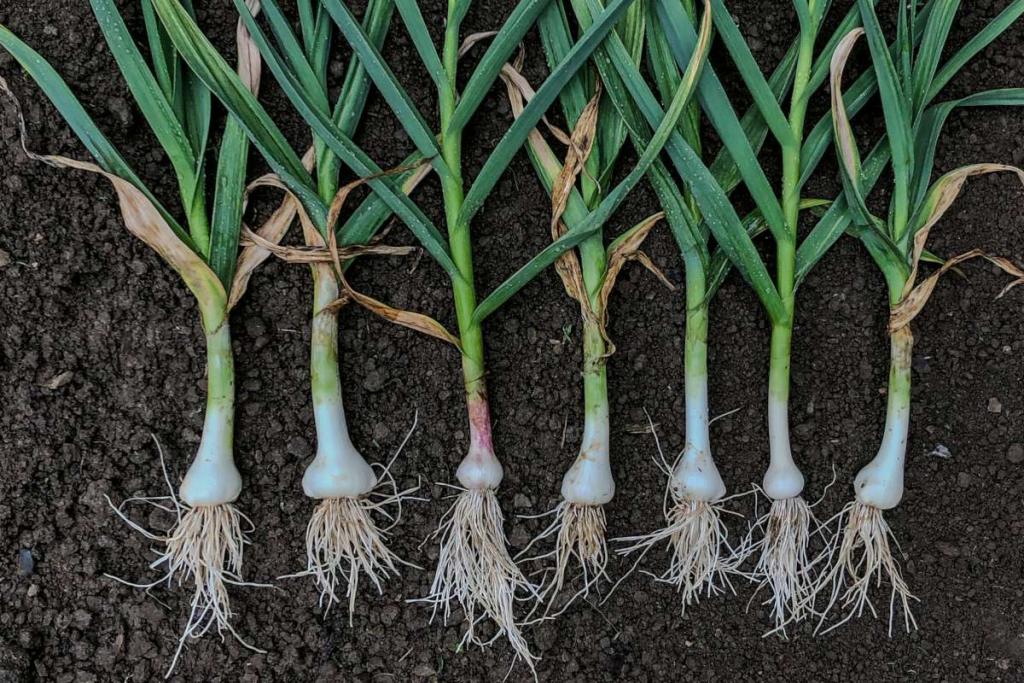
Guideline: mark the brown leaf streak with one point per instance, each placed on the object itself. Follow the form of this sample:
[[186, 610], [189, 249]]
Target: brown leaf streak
[[841, 122]]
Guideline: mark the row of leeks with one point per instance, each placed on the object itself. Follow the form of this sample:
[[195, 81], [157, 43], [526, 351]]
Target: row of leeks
[[595, 53]]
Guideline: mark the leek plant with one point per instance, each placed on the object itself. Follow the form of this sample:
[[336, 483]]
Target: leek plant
[[582, 201], [206, 543], [474, 566], [860, 551], [343, 541]]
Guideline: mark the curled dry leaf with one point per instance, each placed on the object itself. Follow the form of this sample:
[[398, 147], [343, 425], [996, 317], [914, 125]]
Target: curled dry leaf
[[940, 197], [471, 40], [415, 321], [261, 244], [627, 248], [913, 303], [271, 232], [144, 221], [319, 255], [840, 120], [580, 145], [309, 255], [250, 64]]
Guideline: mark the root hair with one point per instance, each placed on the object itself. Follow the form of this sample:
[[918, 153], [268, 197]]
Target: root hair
[[580, 534], [474, 568], [205, 547], [343, 541], [701, 559], [857, 555], [783, 565]]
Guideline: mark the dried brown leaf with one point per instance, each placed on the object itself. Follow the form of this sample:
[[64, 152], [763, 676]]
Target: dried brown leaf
[[308, 254], [250, 64], [847, 145], [627, 249], [255, 252], [940, 197], [912, 304], [144, 221], [580, 145], [472, 39], [319, 255]]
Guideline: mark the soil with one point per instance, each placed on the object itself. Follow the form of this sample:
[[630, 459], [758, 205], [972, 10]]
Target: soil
[[101, 354]]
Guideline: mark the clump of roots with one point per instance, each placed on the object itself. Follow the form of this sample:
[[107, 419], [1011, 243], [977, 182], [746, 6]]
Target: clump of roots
[[205, 547], [343, 542], [702, 561], [859, 554], [475, 569], [580, 533], [782, 565]]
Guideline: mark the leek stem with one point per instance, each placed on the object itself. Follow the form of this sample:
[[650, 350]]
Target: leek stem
[[459, 240], [325, 377], [212, 478], [897, 416], [220, 392], [695, 360], [595, 385], [785, 277]]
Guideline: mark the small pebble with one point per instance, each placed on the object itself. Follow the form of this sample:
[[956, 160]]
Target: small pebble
[[373, 382], [26, 563], [1016, 453], [994, 406]]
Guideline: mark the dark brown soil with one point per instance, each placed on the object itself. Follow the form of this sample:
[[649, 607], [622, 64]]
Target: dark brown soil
[[81, 296]]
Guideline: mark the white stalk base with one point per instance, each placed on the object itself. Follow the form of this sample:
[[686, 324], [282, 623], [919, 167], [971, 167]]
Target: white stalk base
[[480, 469], [858, 555], [474, 568], [696, 478], [783, 479], [783, 566], [339, 470], [213, 479], [879, 484], [589, 481]]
